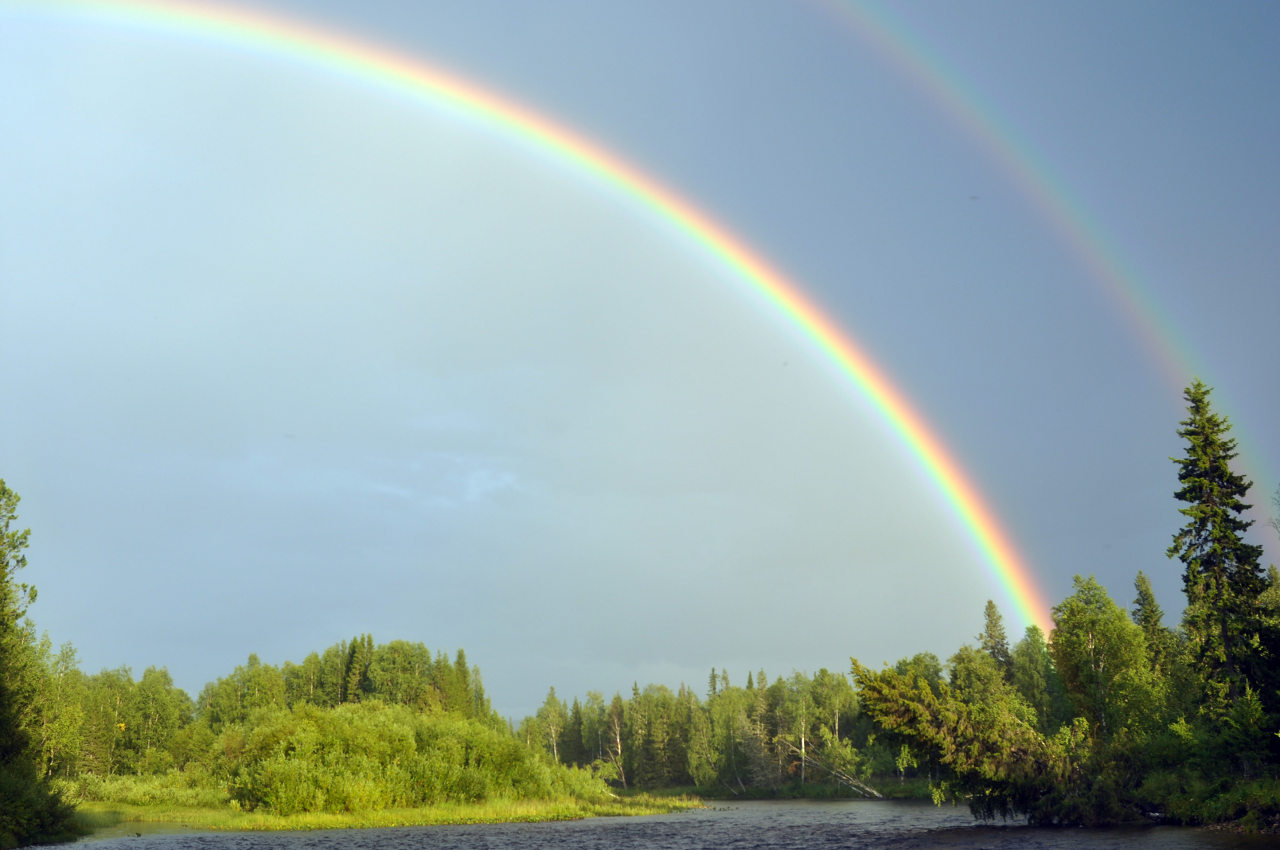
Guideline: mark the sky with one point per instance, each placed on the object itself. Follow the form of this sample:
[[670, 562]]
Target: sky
[[293, 355]]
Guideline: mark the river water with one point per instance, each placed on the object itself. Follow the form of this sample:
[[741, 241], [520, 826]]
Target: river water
[[802, 825]]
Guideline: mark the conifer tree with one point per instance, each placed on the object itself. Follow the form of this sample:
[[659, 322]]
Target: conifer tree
[[1146, 610], [1221, 576], [572, 750], [359, 655], [1149, 616], [994, 641], [1033, 675]]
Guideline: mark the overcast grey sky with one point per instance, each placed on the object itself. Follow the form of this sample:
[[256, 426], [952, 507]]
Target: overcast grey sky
[[292, 356]]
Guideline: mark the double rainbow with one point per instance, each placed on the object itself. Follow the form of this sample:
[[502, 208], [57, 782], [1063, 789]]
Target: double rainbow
[[307, 43]]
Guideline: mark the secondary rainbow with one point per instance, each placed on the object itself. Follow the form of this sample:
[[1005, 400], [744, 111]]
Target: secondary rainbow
[[281, 36], [876, 26]]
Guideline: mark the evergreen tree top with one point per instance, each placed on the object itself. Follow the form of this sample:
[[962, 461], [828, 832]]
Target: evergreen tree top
[[1146, 611], [1212, 492]]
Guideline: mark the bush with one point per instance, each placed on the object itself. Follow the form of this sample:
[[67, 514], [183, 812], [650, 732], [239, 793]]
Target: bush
[[370, 756], [193, 788], [31, 812]]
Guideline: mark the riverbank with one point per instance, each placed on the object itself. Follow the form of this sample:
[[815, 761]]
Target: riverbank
[[94, 817]]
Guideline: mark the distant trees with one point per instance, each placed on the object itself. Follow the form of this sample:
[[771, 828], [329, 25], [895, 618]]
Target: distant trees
[[754, 740]]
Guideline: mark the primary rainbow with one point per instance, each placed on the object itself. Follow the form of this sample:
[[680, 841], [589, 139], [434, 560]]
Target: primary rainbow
[[306, 42]]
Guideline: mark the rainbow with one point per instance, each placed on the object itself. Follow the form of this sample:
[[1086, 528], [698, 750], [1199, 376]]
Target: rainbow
[[304, 42]]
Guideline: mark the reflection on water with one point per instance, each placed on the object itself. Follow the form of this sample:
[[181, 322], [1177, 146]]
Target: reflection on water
[[802, 825]]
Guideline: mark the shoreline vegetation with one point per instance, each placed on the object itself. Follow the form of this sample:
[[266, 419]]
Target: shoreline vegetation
[[94, 818], [1113, 717], [104, 818]]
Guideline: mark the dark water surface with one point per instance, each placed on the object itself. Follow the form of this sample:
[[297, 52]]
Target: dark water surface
[[801, 825]]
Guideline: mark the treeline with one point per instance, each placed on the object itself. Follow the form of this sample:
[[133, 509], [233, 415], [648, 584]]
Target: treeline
[[1112, 717], [108, 724], [753, 739], [794, 735]]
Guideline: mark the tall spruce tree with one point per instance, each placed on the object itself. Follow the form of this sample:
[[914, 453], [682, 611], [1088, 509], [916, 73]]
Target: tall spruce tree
[[1221, 575]]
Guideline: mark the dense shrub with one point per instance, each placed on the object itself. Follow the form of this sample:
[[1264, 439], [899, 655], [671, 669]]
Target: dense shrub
[[193, 787], [371, 756], [31, 812]]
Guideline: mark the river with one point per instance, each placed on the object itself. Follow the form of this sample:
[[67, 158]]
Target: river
[[802, 825]]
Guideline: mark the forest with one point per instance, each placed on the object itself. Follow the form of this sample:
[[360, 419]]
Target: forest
[[1112, 717]]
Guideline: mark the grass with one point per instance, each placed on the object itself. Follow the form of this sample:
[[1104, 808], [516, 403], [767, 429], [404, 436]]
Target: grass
[[101, 816]]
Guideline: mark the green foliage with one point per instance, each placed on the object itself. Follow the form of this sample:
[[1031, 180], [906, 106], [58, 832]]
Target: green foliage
[[30, 810], [993, 639], [1101, 656], [57, 710], [1004, 745], [193, 787], [978, 730], [250, 687], [15, 684], [792, 736], [1177, 722], [371, 756], [548, 728], [1033, 675], [1222, 576], [1162, 643], [399, 673]]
